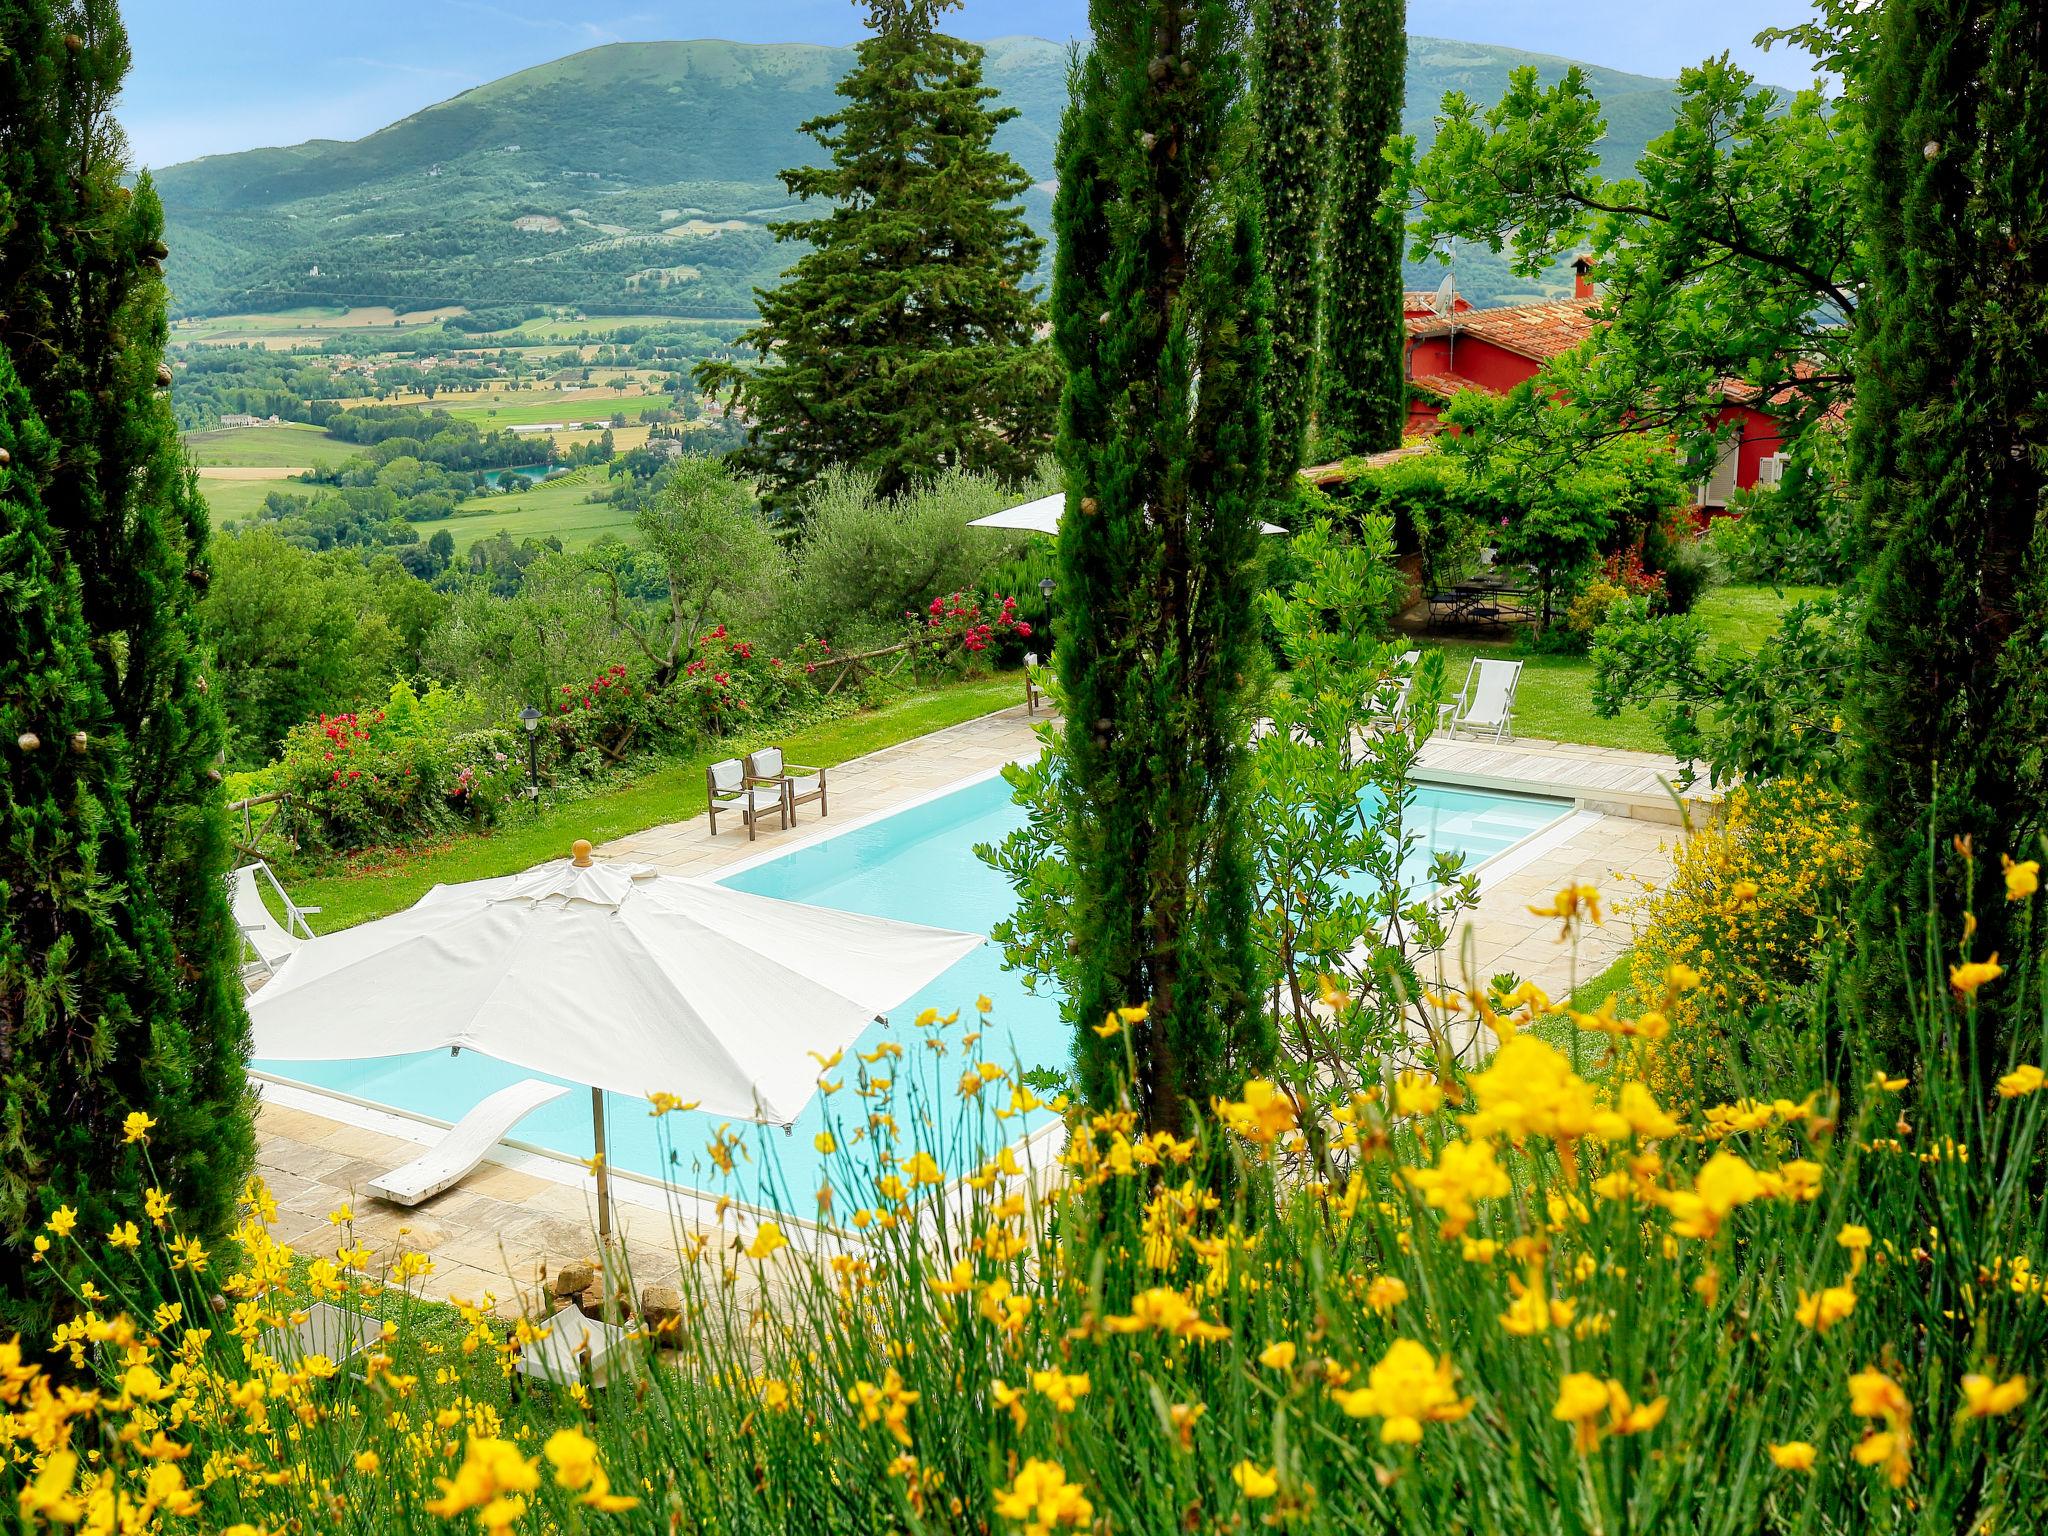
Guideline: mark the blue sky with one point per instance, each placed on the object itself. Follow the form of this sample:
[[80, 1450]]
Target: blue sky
[[217, 75]]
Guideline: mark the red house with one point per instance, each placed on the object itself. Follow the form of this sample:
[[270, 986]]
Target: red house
[[1495, 349]]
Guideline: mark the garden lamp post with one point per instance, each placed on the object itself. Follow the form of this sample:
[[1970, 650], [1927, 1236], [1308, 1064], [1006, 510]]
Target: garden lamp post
[[1045, 587], [530, 718]]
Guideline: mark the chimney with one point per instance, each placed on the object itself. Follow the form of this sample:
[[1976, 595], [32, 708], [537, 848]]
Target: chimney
[[1582, 276]]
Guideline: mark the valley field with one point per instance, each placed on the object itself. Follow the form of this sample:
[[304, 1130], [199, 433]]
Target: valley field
[[557, 509], [288, 445]]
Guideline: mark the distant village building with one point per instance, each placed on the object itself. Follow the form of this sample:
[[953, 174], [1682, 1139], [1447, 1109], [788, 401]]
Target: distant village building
[[243, 419], [1495, 349]]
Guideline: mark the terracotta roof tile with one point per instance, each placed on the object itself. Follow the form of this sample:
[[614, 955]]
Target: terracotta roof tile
[[1445, 385], [1540, 331]]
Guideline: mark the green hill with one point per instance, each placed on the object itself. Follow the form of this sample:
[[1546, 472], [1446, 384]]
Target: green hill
[[638, 178]]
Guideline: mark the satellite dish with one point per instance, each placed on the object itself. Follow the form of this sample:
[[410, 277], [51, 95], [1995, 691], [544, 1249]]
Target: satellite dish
[[1445, 300]]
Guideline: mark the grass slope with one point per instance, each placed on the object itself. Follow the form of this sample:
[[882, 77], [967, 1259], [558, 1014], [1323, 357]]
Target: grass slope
[[289, 445], [560, 509], [388, 881], [645, 175]]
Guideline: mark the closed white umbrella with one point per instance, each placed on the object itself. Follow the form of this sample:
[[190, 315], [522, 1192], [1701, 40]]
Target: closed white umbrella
[[611, 975], [1043, 516]]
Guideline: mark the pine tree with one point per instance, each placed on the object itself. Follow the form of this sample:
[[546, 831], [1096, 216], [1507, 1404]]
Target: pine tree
[[1291, 51], [1159, 308], [117, 988], [904, 341], [1365, 375], [1951, 463]]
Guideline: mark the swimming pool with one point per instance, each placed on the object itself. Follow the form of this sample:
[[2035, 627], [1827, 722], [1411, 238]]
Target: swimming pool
[[917, 865]]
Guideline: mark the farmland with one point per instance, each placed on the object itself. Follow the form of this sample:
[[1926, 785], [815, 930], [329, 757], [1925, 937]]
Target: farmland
[[288, 445], [558, 509]]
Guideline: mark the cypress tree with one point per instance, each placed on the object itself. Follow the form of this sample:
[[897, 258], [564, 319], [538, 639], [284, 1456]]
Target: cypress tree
[[1951, 465], [1159, 307], [1291, 46], [117, 968], [1365, 374], [904, 341]]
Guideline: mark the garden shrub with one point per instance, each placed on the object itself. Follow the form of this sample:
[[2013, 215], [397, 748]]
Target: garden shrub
[[863, 559], [1755, 905], [421, 766]]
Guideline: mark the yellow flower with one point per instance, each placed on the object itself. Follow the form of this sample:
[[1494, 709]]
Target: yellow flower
[[923, 1170], [1857, 1240], [1570, 901], [1417, 1094], [667, 1103], [1255, 1482], [1874, 1395], [125, 1236], [825, 1143], [1264, 1113], [367, 1462], [1166, 1311], [984, 1004], [2023, 1079], [1385, 1293], [137, 1126], [768, 1239], [1792, 1456], [1822, 1311], [492, 1478], [1986, 1398], [573, 1455], [1408, 1388], [1110, 1025], [1725, 1182], [1966, 979], [63, 1221], [1042, 1500], [1278, 1357], [1581, 1399], [2021, 879], [1062, 1391], [959, 1284], [156, 1205], [1465, 1171], [48, 1493]]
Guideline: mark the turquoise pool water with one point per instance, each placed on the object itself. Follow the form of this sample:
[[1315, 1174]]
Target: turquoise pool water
[[917, 865]]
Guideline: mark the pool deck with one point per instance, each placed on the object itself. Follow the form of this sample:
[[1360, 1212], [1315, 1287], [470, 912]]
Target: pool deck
[[520, 1217]]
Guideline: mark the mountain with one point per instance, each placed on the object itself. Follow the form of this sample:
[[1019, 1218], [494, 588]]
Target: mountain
[[640, 177]]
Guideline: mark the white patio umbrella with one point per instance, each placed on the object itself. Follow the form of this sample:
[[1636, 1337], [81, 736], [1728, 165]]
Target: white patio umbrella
[[1043, 516], [610, 975]]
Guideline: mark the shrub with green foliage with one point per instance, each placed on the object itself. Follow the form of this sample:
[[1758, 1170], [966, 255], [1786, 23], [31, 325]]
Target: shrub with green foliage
[[420, 767]]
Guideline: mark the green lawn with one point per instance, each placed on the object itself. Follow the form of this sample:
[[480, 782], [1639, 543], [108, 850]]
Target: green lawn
[[288, 445], [1555, 699], [388, 881], [559, 507]]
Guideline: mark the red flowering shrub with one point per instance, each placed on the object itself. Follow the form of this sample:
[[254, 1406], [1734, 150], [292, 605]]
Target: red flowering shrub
[[413, 768], [956, 629]]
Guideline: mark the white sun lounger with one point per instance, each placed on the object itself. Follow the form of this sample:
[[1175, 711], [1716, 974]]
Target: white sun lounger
[[1388, 704], [577, 1348], [337, 1334], [272, 942], [450, 1159], [1486, 704]]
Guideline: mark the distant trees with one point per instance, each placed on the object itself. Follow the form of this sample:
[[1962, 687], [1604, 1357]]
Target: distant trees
[[118, 992], [1365, 373], [1292, 53], [1951, 463], [1160, 316], [903, 341]]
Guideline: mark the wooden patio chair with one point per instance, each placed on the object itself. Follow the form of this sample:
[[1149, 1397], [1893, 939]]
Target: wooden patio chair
[[800, 785], [728, 786]]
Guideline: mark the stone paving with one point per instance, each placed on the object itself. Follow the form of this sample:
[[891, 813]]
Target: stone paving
[[505, 1228]]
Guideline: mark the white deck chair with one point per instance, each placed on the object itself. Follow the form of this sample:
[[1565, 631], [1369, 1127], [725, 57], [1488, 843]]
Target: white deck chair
[[272, 942], [1389, 702], [577, 1348], [728, 787], [450, 1159], [1486, 704]]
